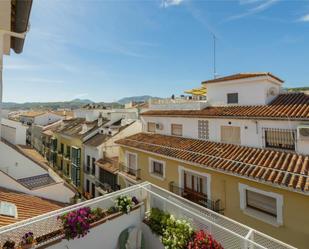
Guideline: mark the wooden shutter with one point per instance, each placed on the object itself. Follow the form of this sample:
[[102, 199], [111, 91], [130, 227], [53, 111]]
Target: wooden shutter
[[230, 134], [176, 129], [262, 202]]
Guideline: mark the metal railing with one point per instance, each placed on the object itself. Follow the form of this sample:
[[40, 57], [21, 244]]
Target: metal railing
[[284, 139], [107, 187], [130, 171], [197, 197], [228, 232]]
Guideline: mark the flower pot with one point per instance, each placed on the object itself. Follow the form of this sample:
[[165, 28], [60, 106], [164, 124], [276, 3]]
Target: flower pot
[[27, 246]]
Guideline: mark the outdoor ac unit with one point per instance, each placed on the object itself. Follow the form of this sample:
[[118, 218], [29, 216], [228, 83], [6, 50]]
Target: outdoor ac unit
[[159, 126], [303, 132]]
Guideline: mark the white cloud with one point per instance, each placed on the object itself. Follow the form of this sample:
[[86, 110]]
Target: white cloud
[[263, 5], [304, 18], [168, 3]]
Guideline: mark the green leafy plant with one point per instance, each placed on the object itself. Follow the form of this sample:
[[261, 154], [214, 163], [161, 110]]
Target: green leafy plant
[[124, 204], [96, 214], [157, 221], [176, 234]]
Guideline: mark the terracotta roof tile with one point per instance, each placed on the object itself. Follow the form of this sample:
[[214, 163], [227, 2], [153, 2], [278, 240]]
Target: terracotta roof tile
[[286, 169], [28, 206], [241, 76], [285, 106]]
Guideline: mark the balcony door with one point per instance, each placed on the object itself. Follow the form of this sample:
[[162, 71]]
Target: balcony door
[[132, 161], [195, 183]]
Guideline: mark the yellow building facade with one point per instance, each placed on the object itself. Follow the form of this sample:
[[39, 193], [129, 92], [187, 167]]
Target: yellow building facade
[[228, 191]]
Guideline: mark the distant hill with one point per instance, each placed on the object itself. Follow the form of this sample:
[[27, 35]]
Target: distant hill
[[73, 104], [136, 99], [298, 89]]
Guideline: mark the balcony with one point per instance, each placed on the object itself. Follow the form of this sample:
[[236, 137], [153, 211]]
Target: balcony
[[48, 232], [131, 173], [196, 197], [89, 171], [177, 104], [105, 188]]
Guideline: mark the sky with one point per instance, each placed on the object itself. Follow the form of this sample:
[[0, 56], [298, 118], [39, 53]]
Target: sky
[[106, 50]]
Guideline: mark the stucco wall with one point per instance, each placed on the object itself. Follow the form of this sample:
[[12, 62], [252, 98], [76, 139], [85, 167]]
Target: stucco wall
[[17, 165], [226, 188], [250, 92], [47, 118], [106, 235], [13, 131]]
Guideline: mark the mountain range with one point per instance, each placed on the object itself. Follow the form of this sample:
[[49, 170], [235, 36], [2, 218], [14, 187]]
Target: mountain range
[[73, 104]]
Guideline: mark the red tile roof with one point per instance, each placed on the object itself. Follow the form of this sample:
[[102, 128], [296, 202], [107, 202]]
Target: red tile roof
[[285, 106], [28, 206], [284, 169], [242, 76]]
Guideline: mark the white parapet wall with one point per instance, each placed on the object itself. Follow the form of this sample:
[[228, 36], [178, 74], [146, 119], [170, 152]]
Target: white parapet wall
[[177, 104]]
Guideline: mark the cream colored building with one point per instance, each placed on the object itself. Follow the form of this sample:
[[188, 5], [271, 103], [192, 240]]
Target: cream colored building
[[245, 157]]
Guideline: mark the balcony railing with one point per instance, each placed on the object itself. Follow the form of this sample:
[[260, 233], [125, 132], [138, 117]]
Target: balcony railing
[[107, 187], [136, 173], [197, 197], [228, 232]]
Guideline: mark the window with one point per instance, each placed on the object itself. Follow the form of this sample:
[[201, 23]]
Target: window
[[93, 166], [151, 127], [8, 209], [176, 129], [203, 130], [265, 206], [157, 168], [261, 202], [230, 134], [93, 190], [68, 151], [87, 186], [75, 166], [88, 161], [280, 138], [232, 98], [131, 160], [61, 148]]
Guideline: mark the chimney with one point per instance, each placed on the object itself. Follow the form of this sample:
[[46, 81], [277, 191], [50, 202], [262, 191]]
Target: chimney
[[100, 120]]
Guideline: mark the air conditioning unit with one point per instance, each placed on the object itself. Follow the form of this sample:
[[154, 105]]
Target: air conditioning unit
[[159, 126], [303, 132]]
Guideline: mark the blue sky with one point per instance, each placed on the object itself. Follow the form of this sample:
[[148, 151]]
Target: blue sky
[[106, 50]]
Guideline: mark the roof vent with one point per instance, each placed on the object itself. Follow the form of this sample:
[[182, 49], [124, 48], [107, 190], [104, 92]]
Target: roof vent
[[8, 209]]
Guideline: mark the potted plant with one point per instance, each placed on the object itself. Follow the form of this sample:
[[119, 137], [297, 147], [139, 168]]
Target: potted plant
[[76, 223], [9, 244], [27, 240], [124, 204], [177, 233], [157, 221], [203, 240]]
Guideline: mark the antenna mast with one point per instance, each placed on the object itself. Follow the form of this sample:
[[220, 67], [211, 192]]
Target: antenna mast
[[215, 70]]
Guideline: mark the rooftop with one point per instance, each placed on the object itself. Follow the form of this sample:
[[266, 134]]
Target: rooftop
[[31, 114], [229, 233], [28, 206], [96, 140], [282, 169], [109, 164], [242, 76], [285, 106], [36, 181]]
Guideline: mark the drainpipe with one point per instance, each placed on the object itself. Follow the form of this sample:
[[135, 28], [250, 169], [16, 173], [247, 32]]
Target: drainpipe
[[3, 33]]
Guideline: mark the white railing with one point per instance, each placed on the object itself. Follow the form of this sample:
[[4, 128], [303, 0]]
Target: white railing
[[229, 233]]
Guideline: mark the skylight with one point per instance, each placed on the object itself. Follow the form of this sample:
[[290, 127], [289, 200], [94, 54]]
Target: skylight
[[8, 209]]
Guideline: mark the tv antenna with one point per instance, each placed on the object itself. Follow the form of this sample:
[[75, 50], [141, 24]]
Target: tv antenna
[[214, 53]]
